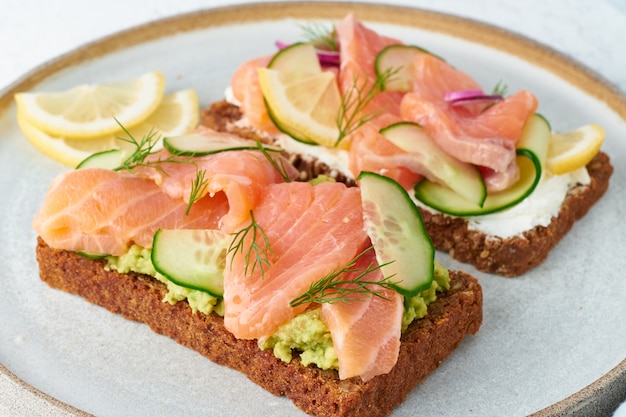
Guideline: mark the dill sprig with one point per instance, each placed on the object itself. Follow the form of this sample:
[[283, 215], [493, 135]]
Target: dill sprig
[[356, 99], [198, 188], [258, 254], [334, 287], [278, 165], [144, 148], [500, 89], [320, 36]]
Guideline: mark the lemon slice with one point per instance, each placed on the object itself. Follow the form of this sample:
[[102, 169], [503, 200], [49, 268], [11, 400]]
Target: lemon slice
[[177, 114], [574, 149], [90, 110], [304, 107], [69, 152]]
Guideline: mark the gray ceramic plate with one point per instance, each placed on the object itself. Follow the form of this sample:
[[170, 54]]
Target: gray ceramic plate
[[552, 341]]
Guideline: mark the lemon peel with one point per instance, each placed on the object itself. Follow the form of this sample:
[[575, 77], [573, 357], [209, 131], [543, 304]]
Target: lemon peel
[[572, 150]]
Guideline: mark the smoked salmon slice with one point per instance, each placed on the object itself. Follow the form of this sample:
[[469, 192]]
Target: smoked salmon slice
[[241, 175], [358, 47], [312, 231], [370, 151], [366, 332], [247, 91], [104, 211], [483, 137], [100, 211]]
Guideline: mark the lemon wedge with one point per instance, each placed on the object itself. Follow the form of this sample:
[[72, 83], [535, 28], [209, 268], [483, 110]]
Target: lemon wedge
[[574, 149], [177, 114], [90, 110], [304, 107]]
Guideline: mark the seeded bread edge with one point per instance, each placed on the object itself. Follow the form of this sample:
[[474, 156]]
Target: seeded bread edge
[[425, 344]]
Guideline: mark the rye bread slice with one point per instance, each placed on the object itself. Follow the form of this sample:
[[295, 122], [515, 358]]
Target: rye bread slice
[[425, 344], [509, 257]]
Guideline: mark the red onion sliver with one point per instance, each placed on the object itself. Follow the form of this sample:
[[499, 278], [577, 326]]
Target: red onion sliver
[[328, 57], [476, 100], [462, 94]]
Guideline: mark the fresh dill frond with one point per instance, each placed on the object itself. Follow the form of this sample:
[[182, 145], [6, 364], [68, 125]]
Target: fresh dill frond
[[145, 147], [320, 36], [278, 165], [198, 188], [356, 99], [142, 149], [259, 255], [334, 287], [500, 89]]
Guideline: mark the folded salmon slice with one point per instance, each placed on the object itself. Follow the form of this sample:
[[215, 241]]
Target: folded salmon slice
[[366, 333], [103, 212], [358, 47], [484, 137], [370, 151], [312, 230], [247, 91], [241, 175]]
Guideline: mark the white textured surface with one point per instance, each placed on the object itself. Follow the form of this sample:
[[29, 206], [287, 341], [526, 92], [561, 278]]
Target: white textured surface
[[35, 31]]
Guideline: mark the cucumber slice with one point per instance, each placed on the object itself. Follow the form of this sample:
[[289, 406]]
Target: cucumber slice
[[196, 144], [461, 177], [296, 59], [531, 154], [399, 60], [110, 159], [394, 224], [193, 259]]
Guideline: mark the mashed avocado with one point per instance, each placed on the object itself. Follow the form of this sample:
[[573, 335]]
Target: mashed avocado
[[137, 259], [308, 335], [416, 307], [305, 334]]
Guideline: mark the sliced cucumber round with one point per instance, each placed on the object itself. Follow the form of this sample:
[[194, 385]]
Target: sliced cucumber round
[[394, 224], [109, 159], [196, 144], [398, 60], [193, 259], [460, 177], [298, 58], [531, 154]]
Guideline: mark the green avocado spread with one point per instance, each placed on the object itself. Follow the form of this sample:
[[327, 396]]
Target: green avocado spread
[[138, 259], [308, 335], [305, 335]]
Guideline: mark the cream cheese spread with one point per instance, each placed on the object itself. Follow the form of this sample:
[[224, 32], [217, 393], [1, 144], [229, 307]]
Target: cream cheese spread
[[537, 209]]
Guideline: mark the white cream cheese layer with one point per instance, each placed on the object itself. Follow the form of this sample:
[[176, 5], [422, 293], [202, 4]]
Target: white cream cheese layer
[[538, 209]]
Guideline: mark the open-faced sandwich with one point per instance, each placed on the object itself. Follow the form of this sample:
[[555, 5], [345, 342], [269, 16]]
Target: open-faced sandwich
[[327, 294], [496, 187]]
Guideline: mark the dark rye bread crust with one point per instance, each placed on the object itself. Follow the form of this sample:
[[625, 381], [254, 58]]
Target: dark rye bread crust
[[508, 257], [137, 297], [514, 256]]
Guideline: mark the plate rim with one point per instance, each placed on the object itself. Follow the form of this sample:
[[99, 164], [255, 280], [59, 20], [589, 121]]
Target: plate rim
[[600, 396]]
